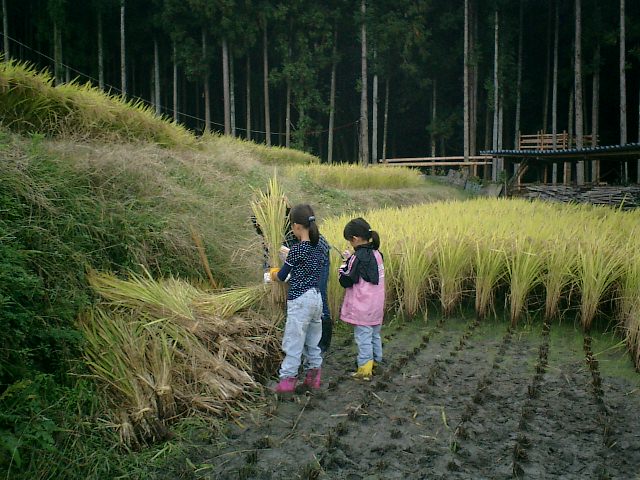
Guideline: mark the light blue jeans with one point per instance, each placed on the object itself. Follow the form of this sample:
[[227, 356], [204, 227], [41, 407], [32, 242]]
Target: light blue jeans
[[369, 343], [302, 333]]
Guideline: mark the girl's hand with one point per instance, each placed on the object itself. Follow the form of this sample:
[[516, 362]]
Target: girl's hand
[[346, 254]]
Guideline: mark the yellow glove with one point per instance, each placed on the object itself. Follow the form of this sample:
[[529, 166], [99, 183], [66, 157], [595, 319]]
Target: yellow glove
[[273, 273]]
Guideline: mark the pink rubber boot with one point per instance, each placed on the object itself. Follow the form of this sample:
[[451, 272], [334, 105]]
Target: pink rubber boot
[[312, 380], [286, 385]]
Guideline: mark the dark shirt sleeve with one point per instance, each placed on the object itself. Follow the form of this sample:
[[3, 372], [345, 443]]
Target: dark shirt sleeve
[[284, 271], [348, 276], [294, 257]]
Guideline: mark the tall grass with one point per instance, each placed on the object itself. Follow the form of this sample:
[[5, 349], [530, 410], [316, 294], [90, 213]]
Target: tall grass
[[358, 177], [29, 102]]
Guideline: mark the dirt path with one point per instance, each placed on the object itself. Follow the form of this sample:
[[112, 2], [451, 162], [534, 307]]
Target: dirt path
[[460, 399]]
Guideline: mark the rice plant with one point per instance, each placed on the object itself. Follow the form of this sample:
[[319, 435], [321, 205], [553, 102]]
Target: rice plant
[[452, 260], [489, 268], [415, 269], [599, 268], [524, 266], [513, 243], [629, 309]]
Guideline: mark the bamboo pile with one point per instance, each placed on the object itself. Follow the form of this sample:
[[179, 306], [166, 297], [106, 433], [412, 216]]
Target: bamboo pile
[[626, 197]]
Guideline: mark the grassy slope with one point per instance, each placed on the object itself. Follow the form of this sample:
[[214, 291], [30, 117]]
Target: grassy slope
[[89, 181], [69, 206]]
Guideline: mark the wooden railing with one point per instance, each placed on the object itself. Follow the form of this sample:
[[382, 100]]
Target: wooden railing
[[545, 141]]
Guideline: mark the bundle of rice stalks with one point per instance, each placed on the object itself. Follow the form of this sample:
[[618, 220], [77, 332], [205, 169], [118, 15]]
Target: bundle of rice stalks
[[599, 268], [270, 210], [165, 348], [489, 268], [561, 261], [525, 266], [630, 305], [452, 260], [415, 269]]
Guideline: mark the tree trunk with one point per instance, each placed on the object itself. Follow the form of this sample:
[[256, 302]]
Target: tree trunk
[[248, 96], [465, 120], [364, 115], [386, 121], [554, 105], [267, 122], [496, 95], [5, 29], [287, 117], [473, 121], [578, 91], [623, 88], [205, 82], [519, 82], [57, 53], [595, 111], [434, 104], [374, 118], [545, 107], [567, 165], [100, 52], [175, 84], [156, 71], [232, 95], [623, 83], [554, 102], [225, 87], [123, 49], [332, 95]]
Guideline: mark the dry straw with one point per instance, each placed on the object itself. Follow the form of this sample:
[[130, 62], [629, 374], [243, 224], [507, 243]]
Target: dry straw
[[164, 348], [270, 211]]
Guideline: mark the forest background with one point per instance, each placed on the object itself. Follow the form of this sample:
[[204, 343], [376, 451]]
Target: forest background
[[296, 73]]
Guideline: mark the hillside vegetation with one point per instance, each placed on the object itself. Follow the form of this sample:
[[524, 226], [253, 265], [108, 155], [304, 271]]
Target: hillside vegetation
[[82, 188]]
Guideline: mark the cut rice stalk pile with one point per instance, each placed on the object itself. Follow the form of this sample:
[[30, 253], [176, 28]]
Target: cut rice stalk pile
[[165, 348]]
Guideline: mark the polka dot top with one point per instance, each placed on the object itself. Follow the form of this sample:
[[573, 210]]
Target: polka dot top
[[304, 263]]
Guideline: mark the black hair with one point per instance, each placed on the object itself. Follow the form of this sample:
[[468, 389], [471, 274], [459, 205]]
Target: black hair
[[359, 227], [303, 215]]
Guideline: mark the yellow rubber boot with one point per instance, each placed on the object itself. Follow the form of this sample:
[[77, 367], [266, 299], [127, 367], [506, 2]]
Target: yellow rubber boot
[[364, 372]]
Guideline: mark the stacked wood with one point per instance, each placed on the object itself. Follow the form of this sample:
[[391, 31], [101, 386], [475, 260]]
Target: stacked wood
[[618, 196]]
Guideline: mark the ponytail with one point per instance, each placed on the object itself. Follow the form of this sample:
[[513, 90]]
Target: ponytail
[[359, 227], [375, 240], [303, 215]]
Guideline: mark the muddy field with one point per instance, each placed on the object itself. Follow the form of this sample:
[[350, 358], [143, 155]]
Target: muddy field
[[457, 399]]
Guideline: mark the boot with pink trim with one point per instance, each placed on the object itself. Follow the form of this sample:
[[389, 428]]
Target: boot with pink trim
[[286, 385], [312, 380]]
